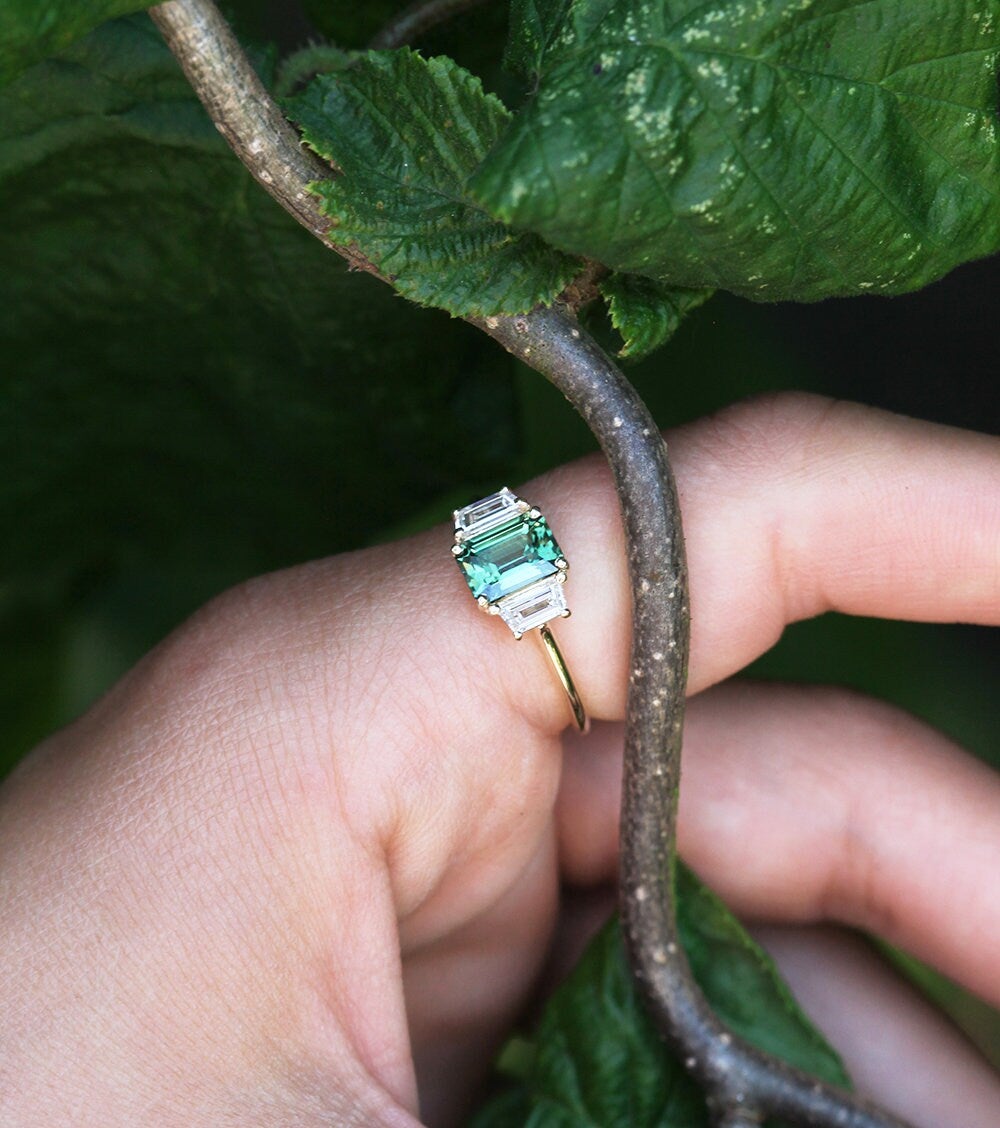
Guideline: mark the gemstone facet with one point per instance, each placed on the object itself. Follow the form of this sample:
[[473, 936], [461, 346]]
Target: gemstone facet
[[483, 514], [511, 560], [533, 606]]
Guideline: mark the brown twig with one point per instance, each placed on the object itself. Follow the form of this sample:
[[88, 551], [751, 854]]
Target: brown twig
[[417, 18], [742, 1084]]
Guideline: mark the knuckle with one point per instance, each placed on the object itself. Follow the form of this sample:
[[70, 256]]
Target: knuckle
[[215, 663], [770, 429]]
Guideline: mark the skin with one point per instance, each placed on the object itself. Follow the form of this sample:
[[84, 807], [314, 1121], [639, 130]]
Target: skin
[[306, 858]]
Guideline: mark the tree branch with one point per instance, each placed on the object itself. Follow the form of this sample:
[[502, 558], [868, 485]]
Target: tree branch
[[742, 1084], [417, 18], [246, 114]]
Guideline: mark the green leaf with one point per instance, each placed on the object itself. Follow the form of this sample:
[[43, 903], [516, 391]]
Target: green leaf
[[33, 29], [193, 389], [794, 149], [597, 1057], [743, 985], [407, 132], [533, 25], [647, 313]]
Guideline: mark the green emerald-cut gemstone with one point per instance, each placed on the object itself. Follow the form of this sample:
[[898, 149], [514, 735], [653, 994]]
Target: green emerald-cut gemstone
[[509, 556]]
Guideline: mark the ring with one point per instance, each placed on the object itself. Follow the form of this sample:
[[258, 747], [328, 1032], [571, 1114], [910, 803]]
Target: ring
[[515, 569]]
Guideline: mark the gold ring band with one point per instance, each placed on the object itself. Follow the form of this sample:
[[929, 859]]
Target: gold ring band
[[565, 679]]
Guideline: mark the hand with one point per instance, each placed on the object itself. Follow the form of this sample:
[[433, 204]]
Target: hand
[[304, 860]]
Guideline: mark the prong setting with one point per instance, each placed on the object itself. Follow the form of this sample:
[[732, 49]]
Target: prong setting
[[511, 560]]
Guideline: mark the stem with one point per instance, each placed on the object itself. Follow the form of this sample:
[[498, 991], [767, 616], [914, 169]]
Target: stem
[[246, 114], [415, 19], [742, 1084]]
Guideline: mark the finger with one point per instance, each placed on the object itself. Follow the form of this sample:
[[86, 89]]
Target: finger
[[897, 1047], [813, 804], [465, 992], [793, 505]]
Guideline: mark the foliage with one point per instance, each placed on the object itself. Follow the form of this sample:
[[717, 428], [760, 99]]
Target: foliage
[[795, 149], [187, 377], [647, 313], [407, 133], [128, 215], [34, 29], [791, 150], [596, 1057]]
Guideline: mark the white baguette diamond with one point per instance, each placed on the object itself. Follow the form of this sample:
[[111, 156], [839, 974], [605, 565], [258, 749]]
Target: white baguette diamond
[[532, 606], [492, 510]]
